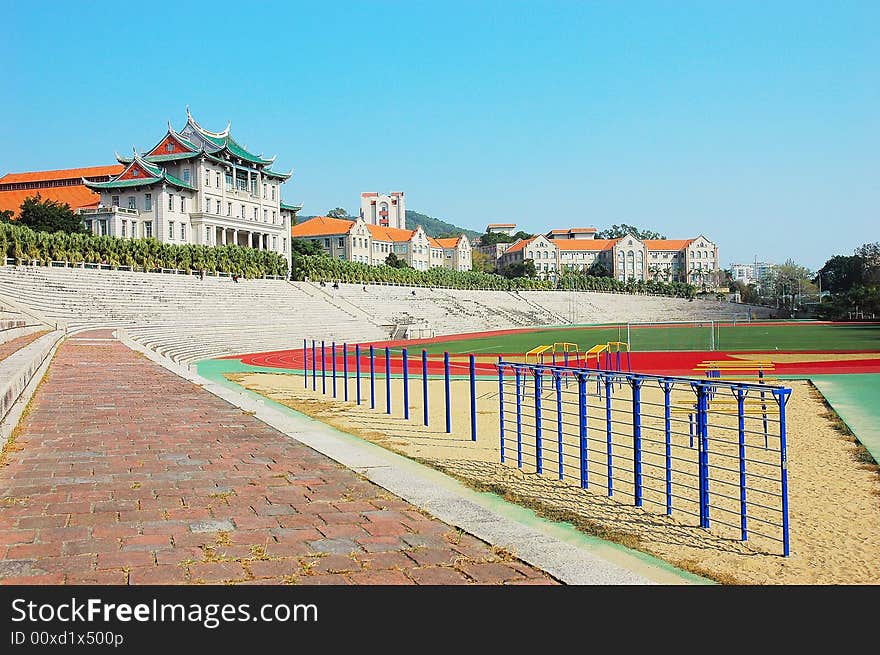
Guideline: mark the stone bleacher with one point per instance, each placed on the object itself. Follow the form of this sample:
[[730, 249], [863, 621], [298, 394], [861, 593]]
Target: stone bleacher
[[187, 319]]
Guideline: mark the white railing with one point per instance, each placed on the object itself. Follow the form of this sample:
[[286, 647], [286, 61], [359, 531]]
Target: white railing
[[114, 209]]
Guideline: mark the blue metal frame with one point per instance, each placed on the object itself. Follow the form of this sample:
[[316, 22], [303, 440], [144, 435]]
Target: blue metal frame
[[345, 370], [539, 463], [667, 429], [306, 363], [323, 369], [314, 367], [333, 348], [405, 362], [425, 386], [387, 380], [357, 372], [557, 383], [372, 378], [782, 396], [636, 383], [473, 375], [582, 431], [518, 375], [609, 389], [448, 397], [501, 405]]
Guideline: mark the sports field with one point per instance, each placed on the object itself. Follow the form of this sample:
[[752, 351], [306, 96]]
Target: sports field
[[790, 337]]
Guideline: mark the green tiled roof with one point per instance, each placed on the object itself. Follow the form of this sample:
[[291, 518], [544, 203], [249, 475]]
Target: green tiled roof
[[124, 184], [178, 182], [240, 152], [283, 176], [284, 205]]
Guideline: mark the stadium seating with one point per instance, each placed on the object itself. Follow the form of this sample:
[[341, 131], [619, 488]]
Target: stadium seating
[[188, 319]]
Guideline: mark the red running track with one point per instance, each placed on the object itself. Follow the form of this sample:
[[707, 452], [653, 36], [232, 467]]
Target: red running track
[[657, 363]]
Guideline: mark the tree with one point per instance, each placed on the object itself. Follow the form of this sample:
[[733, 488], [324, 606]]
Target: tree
[[491, 238], [338, 212], [788, 282], [6, 216], [394, 261], [49, 216], [305, 247], [618, 231], [520, 269], [870, 254], [841, 273], [598, 269], [480, 261]]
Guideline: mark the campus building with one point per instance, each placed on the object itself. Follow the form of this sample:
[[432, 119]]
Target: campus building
[[754, 273], [501, 228], [384, 210], [359, 241], [576, 249], [193, 186]]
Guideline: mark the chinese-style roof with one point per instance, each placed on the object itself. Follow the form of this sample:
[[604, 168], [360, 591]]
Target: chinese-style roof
[[293, 208], [222, 141], [63, 174], [139, 172], [76, 196], [667, 244], [584, 244], [321, 226]]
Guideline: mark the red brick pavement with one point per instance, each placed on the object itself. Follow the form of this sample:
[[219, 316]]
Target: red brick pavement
[[9, 347], [123, 473]]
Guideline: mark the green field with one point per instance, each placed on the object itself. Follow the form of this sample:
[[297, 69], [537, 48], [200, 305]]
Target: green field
[[754, 336]]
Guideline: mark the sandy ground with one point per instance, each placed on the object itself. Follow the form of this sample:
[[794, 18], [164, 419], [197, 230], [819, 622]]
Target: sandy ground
[[834, 501], [789, 358]]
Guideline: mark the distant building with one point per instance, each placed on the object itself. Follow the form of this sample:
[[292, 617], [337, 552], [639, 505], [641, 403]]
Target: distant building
[[64, 186], [501, 228], [754, 273], [359, 241], [573, 233], [384, 210]]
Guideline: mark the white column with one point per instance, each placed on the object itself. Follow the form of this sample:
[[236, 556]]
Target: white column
[[223, 236], [234, 237]]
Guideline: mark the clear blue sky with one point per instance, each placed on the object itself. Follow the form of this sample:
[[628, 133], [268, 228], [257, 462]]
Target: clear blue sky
[[756, 123]]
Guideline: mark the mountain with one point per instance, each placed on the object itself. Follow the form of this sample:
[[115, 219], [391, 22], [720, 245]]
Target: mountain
[[434, 226]]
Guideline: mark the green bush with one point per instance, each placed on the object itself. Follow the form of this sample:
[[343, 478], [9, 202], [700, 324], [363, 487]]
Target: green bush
[[320, 267], [20, 242]]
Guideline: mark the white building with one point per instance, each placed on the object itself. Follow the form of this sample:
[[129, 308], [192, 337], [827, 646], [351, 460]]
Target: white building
[[384, 210], [195, 186], [501, 228], [754, 273]]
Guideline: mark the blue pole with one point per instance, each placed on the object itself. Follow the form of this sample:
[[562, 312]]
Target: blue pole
[[501, 405], [609, 383], [582, 430], [539, 463], [740, 410], [314, 367], [372, 378], [473, 370], [702, 440], [518, 417], [387, 380], [557, 383], [405, 383], [782, 398], [448, 399], [357, 372], [333, 348], [323, 369], [345, 369], [306, 363], [636, 383], [425, 386], [667, 418], [565, 358]]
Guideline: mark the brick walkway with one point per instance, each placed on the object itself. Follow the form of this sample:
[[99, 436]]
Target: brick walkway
[[123, 473], [11, 346]]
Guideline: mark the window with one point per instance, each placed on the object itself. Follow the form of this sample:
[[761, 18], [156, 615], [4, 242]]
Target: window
[[134, 230], [148, 202], [170, 229], [274, 243], [169, 147], [242, 211], [326, 243], [273, 192], [135, 172], [124, 225], [183, 231], [273, 217], [256, 211], [264, 191], [228, 181], [284, 243], [229, 209], [208, 235], [131, 203], [265, 215], [207, 178], [217, 180], [114, 200], [171, 202], [208, 205], [148, 229], [102, 227], [341, 242], [182, 205]]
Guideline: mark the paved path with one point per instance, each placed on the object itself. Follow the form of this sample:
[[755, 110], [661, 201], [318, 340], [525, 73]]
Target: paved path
[[124, 473], [14, 345]]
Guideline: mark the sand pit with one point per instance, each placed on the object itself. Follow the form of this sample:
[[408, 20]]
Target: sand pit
[[834, 501], [796, 358]]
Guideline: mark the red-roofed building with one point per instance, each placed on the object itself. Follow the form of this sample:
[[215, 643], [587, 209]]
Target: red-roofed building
[[384, 210], [64, 186]]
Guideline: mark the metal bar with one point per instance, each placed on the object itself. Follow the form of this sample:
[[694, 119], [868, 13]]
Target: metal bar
[[473, 374], [667, 415], [372, 378], [519, 458], [557, 383], [425, 386], [345, 370], [333, 348], [743, 520], [357, 372], [582, 431], [636, 383], [306, 363], [538, 459], [314, 367], [702, 390], [446, 385], [405, 362], [501, 405], [609, 382], [782, 396], [387, 380], [323, 370]]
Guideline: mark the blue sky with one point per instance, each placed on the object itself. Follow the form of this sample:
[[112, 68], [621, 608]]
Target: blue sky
[[756, 123]]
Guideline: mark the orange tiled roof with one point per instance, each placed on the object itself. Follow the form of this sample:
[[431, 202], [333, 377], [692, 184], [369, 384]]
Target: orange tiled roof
[[320, 226], [449, 242], [582, 230], [395, 234], [667, 244], [519, 245], [584, 244], [75, 196], [501, 225], [63, 174]]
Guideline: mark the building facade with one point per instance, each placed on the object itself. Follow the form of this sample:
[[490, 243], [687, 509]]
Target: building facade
[[628, 258], [63, 186], [359, 241], [384, 210], [754, 273], [195, 186], [501, 228]]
